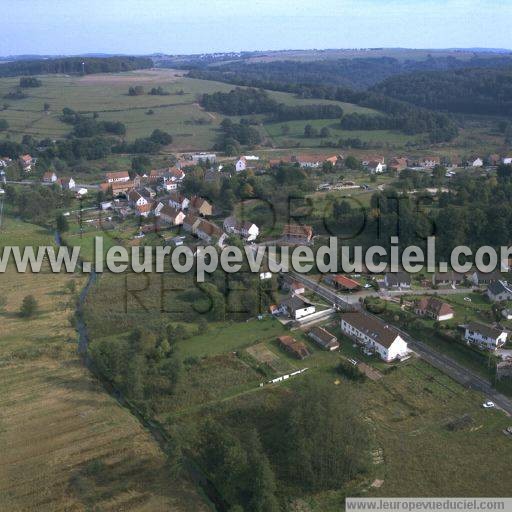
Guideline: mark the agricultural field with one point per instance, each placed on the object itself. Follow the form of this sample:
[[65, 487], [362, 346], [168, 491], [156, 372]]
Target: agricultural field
[[107, 95], [281, 137], [66, 444]]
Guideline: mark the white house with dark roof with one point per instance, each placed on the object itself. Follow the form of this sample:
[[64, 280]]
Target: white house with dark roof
[[498, 291], [375, 335], [485, 336], [397, 280], [245, 229], [296, 307]]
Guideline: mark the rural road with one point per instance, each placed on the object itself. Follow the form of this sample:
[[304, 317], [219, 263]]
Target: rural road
[[29, 182], [442, 362]]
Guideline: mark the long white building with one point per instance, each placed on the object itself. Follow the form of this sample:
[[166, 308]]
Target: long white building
[[376, 335]]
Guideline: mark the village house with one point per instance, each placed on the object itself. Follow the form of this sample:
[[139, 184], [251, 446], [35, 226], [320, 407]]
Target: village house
[[49, 177], [307, 161], [296, 307], [295, 288], [117, 177], [343, 283], [324, 338], [297, 234], [206, 231], [67, 183], [190, 221], [485, 278], [135, 198], [247, 230], [294, 347], [178, 200], [143, 210], [375, 335], [203, 158], [200, 206], [336, 160], [147, 192], [485, 336], [375, 167], [26, 162], [398, 164], [498, 291], [241, 164], [449, 278], [429, 162], [117, 188], [475, 162], [171, 215], [367, 160], [434, 308], [397, 280]]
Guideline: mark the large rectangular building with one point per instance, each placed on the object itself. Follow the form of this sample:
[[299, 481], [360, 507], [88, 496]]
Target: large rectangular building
[[376, 335]]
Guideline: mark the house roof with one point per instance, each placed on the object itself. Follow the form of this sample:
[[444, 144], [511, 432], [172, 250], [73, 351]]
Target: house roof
[[169, 211], [297, 230], [485, 330], [190, 219], [449, 276], [295, 346], [396, 278], [488, 276], [346, 282], [26, 158], [324, 337], [435, 306], [197, 202], [294, 303], [497, 287], [209, 228], [144, 208], [382, 333], [49, 174], [117, 174], [134, 195]]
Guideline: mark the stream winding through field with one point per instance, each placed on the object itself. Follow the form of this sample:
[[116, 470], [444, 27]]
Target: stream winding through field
[[212, 497]]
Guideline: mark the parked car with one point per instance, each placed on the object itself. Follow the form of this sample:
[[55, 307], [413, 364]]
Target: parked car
[[488, 405]]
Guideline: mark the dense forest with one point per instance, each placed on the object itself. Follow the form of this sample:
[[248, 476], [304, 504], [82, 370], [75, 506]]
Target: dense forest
[[359, 73], [469, 91], [74, 65]]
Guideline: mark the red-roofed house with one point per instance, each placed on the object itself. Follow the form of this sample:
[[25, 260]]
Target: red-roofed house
[[342, 283]]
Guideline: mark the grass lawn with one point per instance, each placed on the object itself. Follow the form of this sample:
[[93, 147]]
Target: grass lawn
[[226, 337]]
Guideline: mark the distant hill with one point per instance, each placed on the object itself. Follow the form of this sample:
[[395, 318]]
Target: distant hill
[[69, 65], [356, 73], [470, 91]]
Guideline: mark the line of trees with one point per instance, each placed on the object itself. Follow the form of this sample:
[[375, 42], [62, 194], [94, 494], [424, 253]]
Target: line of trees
[[250, 101], [69, 65]]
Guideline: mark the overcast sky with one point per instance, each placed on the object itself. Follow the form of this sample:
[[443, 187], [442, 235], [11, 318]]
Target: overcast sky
[[199, 26]]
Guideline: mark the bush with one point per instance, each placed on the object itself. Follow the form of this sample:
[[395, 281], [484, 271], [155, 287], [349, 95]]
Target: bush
[[350, 371], [28, 307]]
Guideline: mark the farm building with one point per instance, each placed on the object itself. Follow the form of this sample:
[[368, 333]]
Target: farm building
[[294, 347], [342, 283], [324, 338]]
